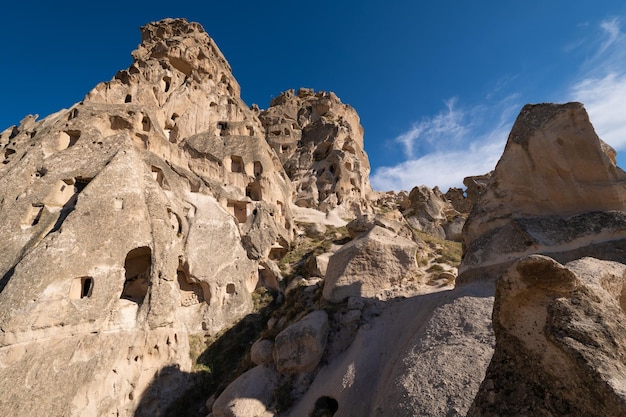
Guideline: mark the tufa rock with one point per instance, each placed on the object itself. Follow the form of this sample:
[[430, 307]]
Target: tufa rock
[[560, 341], [556, 190], [122, 227], [299, 348], [251, 394], [368, 265], [320, 142]]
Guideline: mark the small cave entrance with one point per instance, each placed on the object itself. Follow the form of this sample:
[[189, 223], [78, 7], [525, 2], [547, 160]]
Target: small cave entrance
[[254, 191], [191, 293], [137, 267], [257, 168], [236, 163], [325, 407], [81, 287], [239, 209]]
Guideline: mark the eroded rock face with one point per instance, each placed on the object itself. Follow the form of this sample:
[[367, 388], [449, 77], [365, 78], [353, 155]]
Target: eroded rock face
[[429, 211], [124, 216], [378, 260], [556, 190], [319, 140], [560, 341]]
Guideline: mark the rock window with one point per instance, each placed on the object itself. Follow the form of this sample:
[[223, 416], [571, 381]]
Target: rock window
[[222, 127], [239, 209], [157, 175], [250, 130], [230, 288], [191, 293], [145, 124], [254, 191], [128, 98], [236, 163], [81, 287], [167, 81], [325, 406], [33, 215], [284, 148], [7, 153], [258, 168], [137, 267]]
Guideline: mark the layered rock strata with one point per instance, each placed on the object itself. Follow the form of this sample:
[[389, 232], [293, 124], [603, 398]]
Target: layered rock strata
[[556, 190]]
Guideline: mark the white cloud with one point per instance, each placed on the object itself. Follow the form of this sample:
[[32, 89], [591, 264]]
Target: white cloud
[[456, 143], [601, 87], [605, 101], [430, 133], [612, 30]]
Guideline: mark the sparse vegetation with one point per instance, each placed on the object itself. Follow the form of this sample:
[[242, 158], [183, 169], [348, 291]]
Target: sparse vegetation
[[219, 360], [448, 252], [294, 261]]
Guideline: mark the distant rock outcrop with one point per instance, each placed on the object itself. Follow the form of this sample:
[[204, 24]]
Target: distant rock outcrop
[[556, 190], [319, 140]]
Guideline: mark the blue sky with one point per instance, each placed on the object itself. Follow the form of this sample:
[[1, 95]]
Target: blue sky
[[437, 84]]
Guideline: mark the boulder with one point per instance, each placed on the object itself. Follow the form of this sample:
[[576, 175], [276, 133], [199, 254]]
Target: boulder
[[370, 264], [560, 341], [299, 348], [261, 352], [251, 394], [429, 211]]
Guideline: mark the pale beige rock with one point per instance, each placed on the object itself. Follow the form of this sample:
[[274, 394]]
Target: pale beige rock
[[299, 348], [555, 191], [370, 264], [320, 143], [435, 352], [249, 395], [429, 211], [560, 344], [123, 217]]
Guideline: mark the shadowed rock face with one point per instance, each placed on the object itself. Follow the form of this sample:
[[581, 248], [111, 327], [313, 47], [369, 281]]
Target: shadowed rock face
[[320, 143], [560, 341], [554, 167], [123, 217]]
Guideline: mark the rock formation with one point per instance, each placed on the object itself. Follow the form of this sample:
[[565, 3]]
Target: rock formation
[[111, 215], [142, 221], [319, 140], [561, 341], [556, 190]]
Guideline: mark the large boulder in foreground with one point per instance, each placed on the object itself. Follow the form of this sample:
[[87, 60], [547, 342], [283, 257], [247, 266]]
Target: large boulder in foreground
[[370, 264], [560, 341], [299, 348], [556, 190]]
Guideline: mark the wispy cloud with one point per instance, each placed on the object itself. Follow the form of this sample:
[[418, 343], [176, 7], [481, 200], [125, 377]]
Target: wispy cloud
[[467, 140], [455, 143], [434, 132], [601, 85]]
